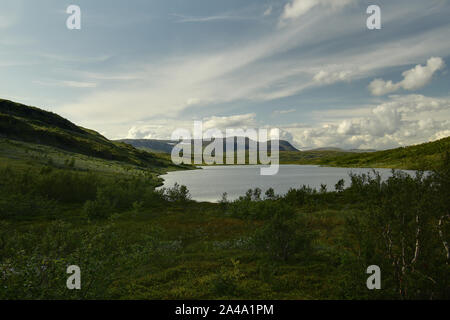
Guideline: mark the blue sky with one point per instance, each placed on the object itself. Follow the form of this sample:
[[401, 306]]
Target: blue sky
[[141, 69]]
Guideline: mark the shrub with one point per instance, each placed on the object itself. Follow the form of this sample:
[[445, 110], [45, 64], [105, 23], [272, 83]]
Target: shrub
[[270, 194], [178, 193], [284, 234], [339, 186], [225, 283], [223, 202], [297, 196], [24, 206], [100, 208]]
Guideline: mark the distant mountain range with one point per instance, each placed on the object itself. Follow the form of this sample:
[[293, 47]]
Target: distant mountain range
[[165, 146]]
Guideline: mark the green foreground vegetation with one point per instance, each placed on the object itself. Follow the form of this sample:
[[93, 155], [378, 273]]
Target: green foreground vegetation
[[69, 196], [134, 242]]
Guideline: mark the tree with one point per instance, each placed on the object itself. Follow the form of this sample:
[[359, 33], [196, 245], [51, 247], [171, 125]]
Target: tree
[[339, 186], [270, 194]]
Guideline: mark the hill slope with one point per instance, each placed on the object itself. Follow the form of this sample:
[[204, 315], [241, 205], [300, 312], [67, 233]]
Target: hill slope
[[33, 125], [425, 156]]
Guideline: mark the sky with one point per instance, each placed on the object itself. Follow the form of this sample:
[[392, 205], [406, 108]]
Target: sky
[[312, 68]]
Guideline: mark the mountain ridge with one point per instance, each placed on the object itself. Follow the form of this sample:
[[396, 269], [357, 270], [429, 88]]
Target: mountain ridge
[[165, 146]]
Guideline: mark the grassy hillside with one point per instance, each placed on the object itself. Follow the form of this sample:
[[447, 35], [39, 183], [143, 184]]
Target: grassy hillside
[[425, 156], [310, 157], [29, 124]]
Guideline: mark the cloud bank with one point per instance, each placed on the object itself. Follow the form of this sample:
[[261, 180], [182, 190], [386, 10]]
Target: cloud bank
[[403, 120]]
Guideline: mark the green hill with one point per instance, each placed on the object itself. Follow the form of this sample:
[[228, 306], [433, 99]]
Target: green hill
[[425, 156], [33, 125]]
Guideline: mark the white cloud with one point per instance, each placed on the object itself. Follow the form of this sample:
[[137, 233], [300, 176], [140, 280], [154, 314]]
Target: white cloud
[[10, 13], [224, 17], [163, 128], [73, 59], [420, 76], [257, 69], [413, 79], [284, 111], [268, 11], [297, 8], [67, 84], [143, 131], [404, 120], [6, 21], [326, 77], [236, 121], [78, 84]]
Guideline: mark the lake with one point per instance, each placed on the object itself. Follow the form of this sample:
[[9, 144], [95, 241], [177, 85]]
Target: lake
[[210, 182]]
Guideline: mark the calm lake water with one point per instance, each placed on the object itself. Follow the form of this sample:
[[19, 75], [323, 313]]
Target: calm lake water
[[210, 182]]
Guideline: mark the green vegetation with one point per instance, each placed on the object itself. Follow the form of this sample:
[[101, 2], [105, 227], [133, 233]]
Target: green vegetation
[[64, 205], [426, 156], [134, 242]]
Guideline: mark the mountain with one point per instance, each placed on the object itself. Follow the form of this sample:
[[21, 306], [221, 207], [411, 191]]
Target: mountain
[[33, 125], [152, 145], [165, 146]]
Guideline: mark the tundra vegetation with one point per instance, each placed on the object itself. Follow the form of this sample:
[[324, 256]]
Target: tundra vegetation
[[69, 196], [133, 241]]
